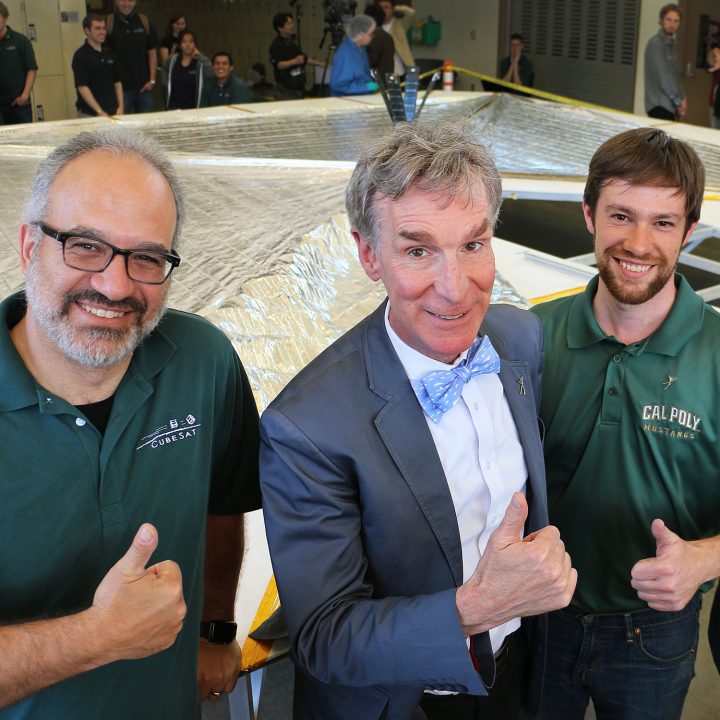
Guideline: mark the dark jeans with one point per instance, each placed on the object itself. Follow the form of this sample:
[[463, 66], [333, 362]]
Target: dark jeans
[[661, 113], [15, 114], [136, 101], [634, 666], [502, 701]]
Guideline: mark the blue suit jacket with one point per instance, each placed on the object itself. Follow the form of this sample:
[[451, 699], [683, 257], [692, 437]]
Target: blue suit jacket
[[362, 529]]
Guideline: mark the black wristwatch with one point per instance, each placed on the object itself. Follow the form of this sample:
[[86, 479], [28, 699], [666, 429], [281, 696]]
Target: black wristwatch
[[220, 632]]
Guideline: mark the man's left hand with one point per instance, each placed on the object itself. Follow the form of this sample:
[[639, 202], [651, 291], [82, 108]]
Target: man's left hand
[[148, 86], [218, 668], [668, 581], [21, 100]]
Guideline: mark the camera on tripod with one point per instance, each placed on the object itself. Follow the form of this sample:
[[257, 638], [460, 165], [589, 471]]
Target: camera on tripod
[[337, 12]]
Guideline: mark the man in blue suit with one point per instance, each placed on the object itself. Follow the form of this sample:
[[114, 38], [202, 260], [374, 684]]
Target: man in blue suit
[[402, 471]]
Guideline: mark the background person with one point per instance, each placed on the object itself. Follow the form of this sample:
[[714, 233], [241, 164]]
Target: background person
[[134, 41], [381, 50], [185, 74], [168, 44], [18, 71], [664, 94], [224, 88], [350, 74], [397, 21], [516, 67], [287, 60], [96, 72]]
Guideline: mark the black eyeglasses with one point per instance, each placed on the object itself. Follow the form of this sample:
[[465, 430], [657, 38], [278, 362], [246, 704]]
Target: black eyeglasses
[[83, 252]]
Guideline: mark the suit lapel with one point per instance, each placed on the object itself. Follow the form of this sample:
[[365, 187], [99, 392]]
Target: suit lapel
[[402, 426]]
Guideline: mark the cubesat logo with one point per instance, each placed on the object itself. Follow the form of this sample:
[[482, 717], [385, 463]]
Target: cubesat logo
[[174, 431]]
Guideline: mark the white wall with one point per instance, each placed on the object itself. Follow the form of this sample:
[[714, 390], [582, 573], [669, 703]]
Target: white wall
[[470, 31]]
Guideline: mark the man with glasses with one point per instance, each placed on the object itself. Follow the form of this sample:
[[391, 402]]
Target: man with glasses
[[128, 436]]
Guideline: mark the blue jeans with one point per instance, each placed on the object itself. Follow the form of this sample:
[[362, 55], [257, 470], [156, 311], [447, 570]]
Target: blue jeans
[[137, 101], [634, 666]]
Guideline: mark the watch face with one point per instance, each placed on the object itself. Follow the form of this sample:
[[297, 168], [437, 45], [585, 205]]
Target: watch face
[[221, 632]]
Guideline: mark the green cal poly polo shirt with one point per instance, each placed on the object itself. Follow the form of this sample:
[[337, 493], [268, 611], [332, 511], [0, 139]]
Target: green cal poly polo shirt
[[181, 442], [631, 434]]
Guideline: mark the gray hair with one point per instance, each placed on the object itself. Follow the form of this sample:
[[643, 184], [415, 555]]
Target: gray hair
[[359, 25], [442, 157], [116, 140]]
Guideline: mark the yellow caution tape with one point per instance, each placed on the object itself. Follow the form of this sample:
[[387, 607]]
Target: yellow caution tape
[[554, 296]]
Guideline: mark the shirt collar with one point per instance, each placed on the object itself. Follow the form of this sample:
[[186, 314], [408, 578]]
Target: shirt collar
[[18, 385], [415, 364], [681, 324], [19, 388]]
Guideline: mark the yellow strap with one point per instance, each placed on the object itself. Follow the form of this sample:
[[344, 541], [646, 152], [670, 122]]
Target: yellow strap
[[255, 652], [554, 296]]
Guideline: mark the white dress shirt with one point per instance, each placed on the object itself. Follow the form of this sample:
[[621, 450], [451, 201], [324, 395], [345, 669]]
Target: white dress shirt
[[481, 454]]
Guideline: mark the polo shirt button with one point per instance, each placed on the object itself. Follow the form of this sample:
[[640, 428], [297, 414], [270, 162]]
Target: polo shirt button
[[79, 422], [617, 358], [612, 392]]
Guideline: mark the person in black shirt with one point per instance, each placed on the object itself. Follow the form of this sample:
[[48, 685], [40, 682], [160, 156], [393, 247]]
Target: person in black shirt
[[288, 60], [185, 73], [169, 43], [96, 72], [134, 40], [381, 50]]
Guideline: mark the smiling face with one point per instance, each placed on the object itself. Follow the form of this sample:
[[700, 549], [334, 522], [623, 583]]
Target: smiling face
[[97, 319], [436, 262], [639, 231], [97, 32], [222, 67]]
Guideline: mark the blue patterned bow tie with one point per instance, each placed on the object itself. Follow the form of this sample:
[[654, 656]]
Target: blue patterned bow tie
[[439, 390]]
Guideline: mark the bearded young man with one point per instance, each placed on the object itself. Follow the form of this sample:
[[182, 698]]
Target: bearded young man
[[128, 435], [630, 387]]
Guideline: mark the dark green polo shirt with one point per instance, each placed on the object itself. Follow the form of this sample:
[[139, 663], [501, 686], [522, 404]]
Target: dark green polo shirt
[[16, 58], [631, 434], [181, 442]]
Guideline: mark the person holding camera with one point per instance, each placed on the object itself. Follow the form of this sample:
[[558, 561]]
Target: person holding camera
[[288, 60]]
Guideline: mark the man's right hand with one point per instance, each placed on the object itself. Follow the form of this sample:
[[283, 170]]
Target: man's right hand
[[140, 610], [516, 577]]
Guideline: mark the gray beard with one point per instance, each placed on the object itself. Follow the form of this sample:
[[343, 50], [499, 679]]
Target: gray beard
[[88, 347]]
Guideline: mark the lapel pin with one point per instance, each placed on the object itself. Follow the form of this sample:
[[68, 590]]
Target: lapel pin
[[670, 380], [521, 382]]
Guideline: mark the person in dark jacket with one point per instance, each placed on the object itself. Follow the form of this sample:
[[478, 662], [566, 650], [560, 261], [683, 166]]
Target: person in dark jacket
[[381, 50], [185, 73]]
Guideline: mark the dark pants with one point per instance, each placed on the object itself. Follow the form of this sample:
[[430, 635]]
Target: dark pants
[[661, 113], [283, 92], [137, 101], [503, 699], [634, 666], [15, 114]]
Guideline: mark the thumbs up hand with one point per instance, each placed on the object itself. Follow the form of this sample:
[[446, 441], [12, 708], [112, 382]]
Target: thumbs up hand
[[668, 581], [139, 609], [516, 577]]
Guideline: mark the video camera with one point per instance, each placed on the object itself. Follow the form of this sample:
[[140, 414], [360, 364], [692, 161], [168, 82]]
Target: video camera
[[337, 13]]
